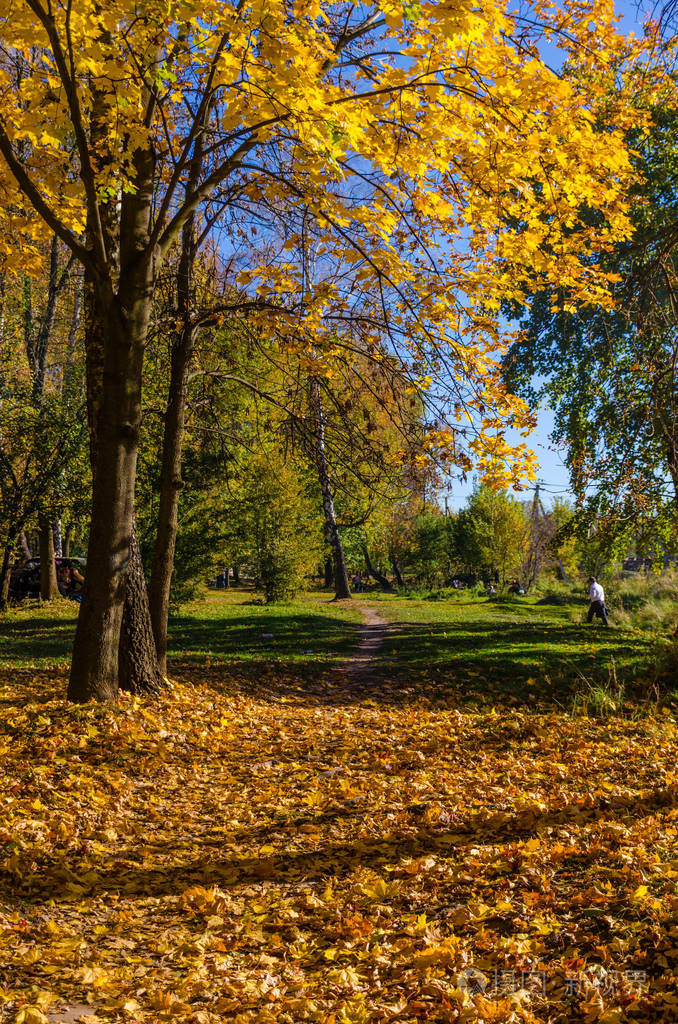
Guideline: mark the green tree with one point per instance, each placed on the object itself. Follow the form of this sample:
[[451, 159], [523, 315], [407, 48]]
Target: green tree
[[491, 533], [283, 527], [611, 375]]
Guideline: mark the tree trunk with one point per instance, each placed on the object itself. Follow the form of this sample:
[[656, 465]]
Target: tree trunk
[[395, 568], [68, 537], [342, 589], [69, 368], [25, 549], [58, 540], [139, 670], [329, 572], [170, 480], [381, 580], [236, 574], [49, 588], [5, 573], [116, 336], [183, 344], [170, 489]]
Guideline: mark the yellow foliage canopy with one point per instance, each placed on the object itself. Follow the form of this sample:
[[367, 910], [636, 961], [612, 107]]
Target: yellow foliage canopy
[[446, 167]]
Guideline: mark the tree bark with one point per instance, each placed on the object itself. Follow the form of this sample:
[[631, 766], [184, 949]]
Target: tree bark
[[117, 330], [5, 573], [170, 489], [49, 588], [58, 540], [139, 670], [183, 345], [69, 367], [117, 314], [25, 549], [68, 537], [170, 475], [395, 568], [342, 589], [377, 576], [329, 572]]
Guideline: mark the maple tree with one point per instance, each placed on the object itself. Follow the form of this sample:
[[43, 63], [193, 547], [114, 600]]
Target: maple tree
[[459, 131]]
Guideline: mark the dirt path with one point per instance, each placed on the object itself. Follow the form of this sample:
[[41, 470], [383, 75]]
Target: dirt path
[[372, 634]]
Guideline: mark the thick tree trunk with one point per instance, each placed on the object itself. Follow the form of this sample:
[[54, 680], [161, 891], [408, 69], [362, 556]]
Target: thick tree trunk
[[49, 588], [342, 589], [329, 572], [139, 670], [117, 331], [236, 574], [5, 572], [377, 576]]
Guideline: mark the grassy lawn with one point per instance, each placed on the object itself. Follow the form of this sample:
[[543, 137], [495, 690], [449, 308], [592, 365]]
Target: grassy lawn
[[466, 647], [236, 627], [223, 627], [524, 649]]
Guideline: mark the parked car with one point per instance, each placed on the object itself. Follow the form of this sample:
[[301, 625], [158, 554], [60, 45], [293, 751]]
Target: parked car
[[25, 580]]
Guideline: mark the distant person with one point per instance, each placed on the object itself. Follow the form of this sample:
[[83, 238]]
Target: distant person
[[358, 583], [597, 601], [490, 591], [516, 588]]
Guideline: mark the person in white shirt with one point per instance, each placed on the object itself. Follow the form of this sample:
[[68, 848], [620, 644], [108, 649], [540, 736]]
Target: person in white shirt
[[597, 599]]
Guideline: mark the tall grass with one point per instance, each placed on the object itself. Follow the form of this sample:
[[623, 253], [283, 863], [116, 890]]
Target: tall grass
[[645, 602]]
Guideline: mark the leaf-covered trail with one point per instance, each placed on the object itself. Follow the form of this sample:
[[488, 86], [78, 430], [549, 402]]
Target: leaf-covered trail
[[291, 851]]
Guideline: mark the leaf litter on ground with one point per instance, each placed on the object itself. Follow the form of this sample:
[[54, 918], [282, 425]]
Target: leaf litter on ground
[[307, 852]]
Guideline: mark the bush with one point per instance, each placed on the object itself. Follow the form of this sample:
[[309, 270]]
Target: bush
[[561, 595]]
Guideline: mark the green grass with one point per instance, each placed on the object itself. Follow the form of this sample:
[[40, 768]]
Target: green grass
[[37, 636], [536, 650], [235, 627], [223, 626]]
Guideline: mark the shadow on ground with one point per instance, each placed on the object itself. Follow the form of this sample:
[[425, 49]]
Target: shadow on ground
[[69, 880], [35, 640], [542, 660], [268, 653], [261, 637]]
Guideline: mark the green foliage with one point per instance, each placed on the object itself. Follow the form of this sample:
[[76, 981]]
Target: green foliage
[[610, 374], [427, 556], [490, 533], [284, 534]]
